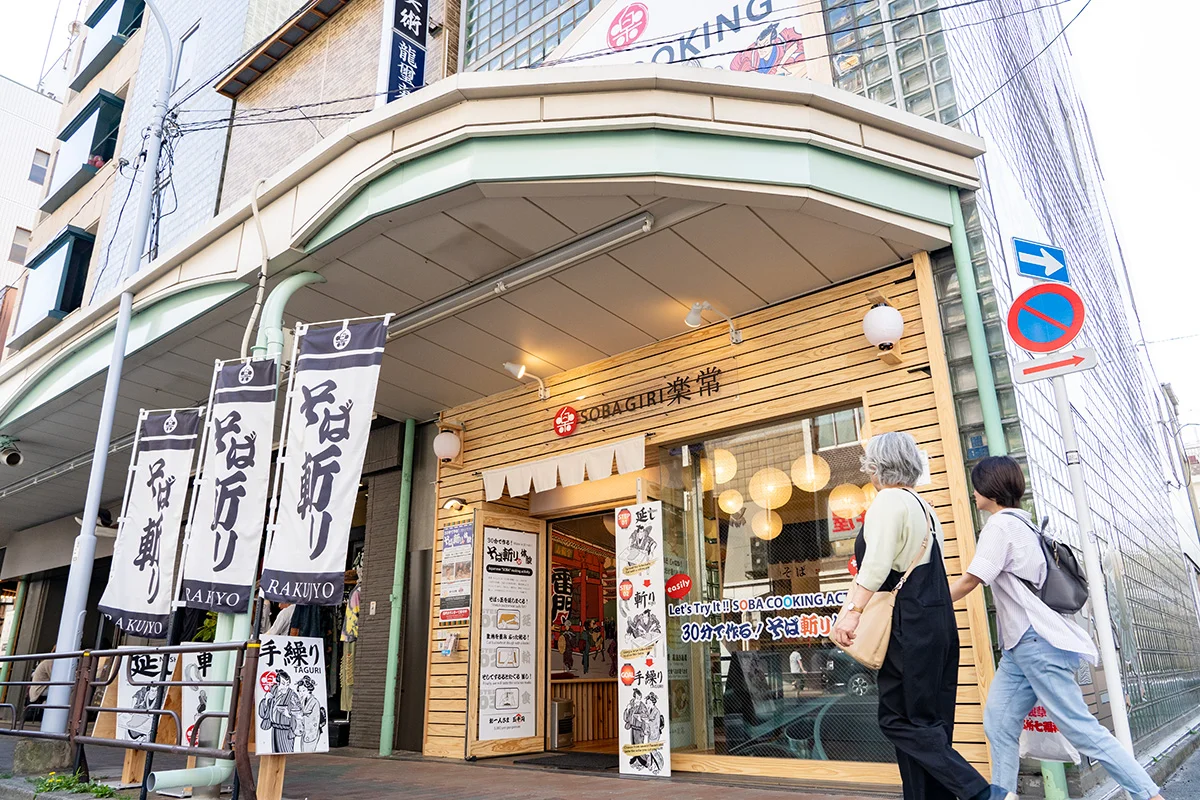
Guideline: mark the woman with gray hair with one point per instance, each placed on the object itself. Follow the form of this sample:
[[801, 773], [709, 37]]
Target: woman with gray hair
[[919, 677]]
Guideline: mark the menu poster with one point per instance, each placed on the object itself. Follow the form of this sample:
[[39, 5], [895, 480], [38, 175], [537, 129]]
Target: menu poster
[[508, 671], [641, 642], [457, 554]]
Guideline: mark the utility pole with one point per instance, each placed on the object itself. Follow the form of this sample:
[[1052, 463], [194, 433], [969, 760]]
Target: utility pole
[[70, 625]]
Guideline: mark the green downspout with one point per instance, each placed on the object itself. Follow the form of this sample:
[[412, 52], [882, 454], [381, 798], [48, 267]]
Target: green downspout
[[976, 335], [1054, 773], [387, 726], [17, 608]]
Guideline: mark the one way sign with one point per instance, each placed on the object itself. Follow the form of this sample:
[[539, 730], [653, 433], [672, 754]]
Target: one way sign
[[1044, 262]]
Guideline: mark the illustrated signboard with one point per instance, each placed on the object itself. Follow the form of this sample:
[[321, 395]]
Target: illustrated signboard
[[195, 700], [145, 668], [457, 556], [508, 670], [643, 702], [290, 699]]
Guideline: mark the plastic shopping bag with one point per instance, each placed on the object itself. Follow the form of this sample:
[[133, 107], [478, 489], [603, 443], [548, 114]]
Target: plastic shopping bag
[[1041, 739]]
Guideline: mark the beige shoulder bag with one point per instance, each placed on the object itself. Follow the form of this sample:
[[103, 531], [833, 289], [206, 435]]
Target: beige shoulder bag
[[875, 627]]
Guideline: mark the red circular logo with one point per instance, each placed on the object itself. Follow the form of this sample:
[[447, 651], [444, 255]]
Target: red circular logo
[[266, 681], [852, 566], [624, 518], [628, 26], [566, 421], [627, 675], [678, 585], [626, 589]]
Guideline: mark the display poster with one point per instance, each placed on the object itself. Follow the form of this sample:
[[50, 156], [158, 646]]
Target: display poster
[[641, 642], [142, 579], [508, 670], [678, 664], [330, 404], [457, 556], [144, 668], [195, 699], [230, 506], [291, 703]]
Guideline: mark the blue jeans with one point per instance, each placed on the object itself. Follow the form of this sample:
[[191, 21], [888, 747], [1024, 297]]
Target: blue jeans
[[1035, 672]]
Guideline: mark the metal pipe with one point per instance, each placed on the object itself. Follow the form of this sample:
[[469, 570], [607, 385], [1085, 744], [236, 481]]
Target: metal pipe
[[976, 335], [213, 775], [70, 626], [262, 269], [18, 607], [270, 329], [387, 726]]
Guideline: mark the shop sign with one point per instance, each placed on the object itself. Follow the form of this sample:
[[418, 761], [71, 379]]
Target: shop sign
[[144, 668], [641, 642], [197, 667], [508, 670], [457, 556], [676, 392], [290, 700], [410, 34]]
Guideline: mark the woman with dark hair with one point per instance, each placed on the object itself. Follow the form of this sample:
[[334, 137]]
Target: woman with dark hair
[[1042, 648]]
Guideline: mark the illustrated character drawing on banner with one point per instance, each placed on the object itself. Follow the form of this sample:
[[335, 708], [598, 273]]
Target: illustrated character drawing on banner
[[641, 545], [773, 53], [644, 629], [279, 712], [137, 726], [645, 724]]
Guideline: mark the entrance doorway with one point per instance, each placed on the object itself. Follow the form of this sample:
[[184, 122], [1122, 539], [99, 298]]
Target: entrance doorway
[[583, 629]]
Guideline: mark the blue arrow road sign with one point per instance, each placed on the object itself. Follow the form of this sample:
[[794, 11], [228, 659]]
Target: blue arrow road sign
[[1045, 262]]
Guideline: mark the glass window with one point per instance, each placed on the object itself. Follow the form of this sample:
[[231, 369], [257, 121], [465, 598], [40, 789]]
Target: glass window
[[87, 143], [20, 246], [53, 285], [769, 518], [39, 167], [109, 27], [187, 57]]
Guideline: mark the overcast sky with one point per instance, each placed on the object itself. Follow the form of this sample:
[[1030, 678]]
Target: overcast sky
[[1130, 79]]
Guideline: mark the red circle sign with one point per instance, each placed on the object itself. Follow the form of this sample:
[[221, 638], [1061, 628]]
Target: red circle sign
[[1046, 318], [624, 518], [628, 676], [626, 589], [267, 680], [628, 26], [852, 566], [566, 421], [678, 585]]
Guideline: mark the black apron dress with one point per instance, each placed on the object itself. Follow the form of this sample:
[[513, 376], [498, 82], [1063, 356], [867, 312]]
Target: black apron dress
[[918, 684]]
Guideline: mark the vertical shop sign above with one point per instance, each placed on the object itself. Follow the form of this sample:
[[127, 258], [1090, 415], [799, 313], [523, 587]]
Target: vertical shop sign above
[[410, 35], [641, 642], [508, 670], [331, 397], [457, 556], [290, 700], [230, 501], [141, 584]]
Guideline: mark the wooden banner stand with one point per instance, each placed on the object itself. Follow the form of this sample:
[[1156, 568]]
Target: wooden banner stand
[[270, 777]]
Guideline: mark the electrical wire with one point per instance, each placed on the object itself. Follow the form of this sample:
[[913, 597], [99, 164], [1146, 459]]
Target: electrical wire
[[117, 226]]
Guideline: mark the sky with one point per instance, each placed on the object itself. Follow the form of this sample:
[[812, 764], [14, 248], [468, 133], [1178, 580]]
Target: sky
[[1128, 78]]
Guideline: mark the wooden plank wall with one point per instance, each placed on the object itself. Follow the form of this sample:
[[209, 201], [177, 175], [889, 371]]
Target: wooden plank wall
[[797, 357], [595, 706]]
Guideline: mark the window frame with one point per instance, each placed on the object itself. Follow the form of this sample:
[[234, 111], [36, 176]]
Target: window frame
[[34, 166], [181, 48], [104, 104], [24, 247], [68, 295], [129, 22]]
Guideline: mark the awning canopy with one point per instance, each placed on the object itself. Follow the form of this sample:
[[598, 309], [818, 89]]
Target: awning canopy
[[567, 469]]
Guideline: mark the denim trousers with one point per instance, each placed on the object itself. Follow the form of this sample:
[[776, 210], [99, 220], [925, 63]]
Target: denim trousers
[[1035, 672]]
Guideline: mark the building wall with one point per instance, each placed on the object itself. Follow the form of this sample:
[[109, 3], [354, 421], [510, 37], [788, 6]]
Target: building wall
[[507, 34], [27, 123]]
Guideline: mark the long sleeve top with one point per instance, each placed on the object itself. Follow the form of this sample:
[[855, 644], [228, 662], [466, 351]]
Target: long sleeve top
[[894, 530]]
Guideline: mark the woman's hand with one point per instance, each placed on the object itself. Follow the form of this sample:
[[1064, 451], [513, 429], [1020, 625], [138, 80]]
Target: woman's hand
[[845, 627]]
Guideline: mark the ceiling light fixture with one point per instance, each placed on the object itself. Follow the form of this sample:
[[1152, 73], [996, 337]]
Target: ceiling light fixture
[[695, 319], [519, 371]]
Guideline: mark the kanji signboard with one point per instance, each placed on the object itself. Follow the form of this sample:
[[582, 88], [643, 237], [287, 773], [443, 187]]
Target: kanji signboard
[[410, 32]]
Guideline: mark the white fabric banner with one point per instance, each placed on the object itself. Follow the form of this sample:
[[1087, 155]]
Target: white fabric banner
[[331, 396], [290, 697], [642, 642], [230, 502], [140, 586], [568, 469]]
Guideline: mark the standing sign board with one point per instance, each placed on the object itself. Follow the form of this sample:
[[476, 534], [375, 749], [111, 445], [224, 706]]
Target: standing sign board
[[141, 585], [331, 397], [410, 34], [144, 669], [508, 671], [643, 703], [195, 700], [290, 699], [458, 553]]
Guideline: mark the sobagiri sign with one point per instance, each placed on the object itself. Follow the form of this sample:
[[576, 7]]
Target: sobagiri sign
[[290, 698], [761, 36], [134, 691], [331, 396], [142, 580], [508, 670]]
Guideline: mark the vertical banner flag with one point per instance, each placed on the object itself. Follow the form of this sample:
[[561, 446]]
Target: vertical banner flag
[[508, 670], [230, 502], [290, 698], [410, 34], [642, 642], [142, 581], [331, 397]]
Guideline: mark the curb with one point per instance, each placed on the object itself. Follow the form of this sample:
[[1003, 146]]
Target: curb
[[1161, 768]]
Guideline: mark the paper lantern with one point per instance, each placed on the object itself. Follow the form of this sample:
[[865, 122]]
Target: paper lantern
[[766, 525], [810, 473], [770, 488], [883, 326], [447, 446], [847, 501], [731, 501], [724, 466], [869, 492]]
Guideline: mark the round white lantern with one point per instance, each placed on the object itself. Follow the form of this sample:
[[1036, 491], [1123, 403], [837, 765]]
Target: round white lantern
[[447, 446], [883, 326]]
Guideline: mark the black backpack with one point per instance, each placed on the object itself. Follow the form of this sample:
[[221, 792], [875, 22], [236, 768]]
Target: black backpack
[[1066, 586]]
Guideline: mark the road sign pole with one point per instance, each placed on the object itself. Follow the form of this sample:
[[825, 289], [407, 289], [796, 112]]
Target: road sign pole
[[1095, 574]]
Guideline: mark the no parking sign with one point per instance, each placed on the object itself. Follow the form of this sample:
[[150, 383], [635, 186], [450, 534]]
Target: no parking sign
[[1046, 318]]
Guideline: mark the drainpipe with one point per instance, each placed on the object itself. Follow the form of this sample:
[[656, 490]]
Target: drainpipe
[[976, 336], [1054, 773], [236, 627], [387, 727], [17, 608]]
